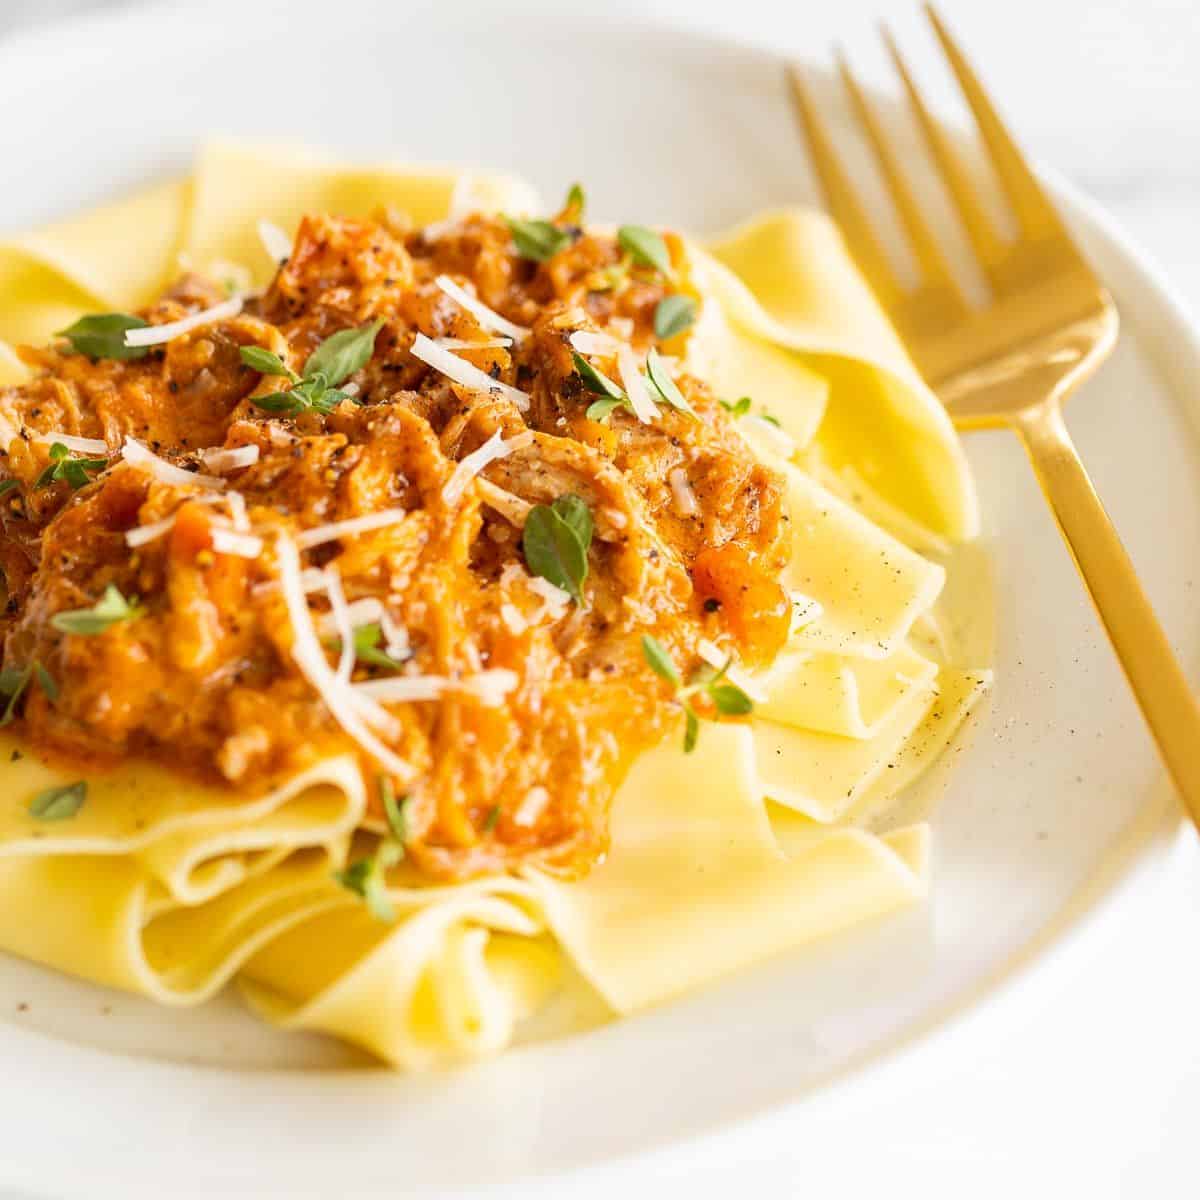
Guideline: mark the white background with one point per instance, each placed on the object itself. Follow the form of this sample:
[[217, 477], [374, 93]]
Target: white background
[[1092, 1088]]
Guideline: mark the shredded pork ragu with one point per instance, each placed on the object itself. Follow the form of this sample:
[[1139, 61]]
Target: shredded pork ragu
[[689, 539]]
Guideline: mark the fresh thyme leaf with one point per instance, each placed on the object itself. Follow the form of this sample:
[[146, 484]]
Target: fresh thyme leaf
[[107, 611], [393, 809], [267, 362], [14, 682], [63, 468], [737, 408], [600, 410], [727, 699], [664, 385], [595, 381], [59, 803], [7, 485], [365, 878], [537, 240], [730, 700], [659, 660], [339, 356], [45, 681], [576, 201], [766, 416], [287, 403], [555, 542], [368, 643], [489, 822], [672, 315], [645, 247], [102, 335]]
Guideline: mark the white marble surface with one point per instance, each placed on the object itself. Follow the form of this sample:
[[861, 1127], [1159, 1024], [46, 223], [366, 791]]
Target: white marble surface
[[1093, 1089]]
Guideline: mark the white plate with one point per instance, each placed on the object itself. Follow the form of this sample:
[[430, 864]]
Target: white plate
[[1056, 811]]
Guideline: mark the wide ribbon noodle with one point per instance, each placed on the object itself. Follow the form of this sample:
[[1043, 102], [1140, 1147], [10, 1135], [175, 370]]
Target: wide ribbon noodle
[[171, 890]]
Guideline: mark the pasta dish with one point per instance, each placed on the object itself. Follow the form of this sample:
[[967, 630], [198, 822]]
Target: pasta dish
[[410, 597]]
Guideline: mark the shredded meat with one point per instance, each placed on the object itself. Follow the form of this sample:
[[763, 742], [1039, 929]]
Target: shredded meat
[[204, 677]]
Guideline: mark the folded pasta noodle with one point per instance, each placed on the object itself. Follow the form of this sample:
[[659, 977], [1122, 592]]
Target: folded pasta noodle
[[388, 678]]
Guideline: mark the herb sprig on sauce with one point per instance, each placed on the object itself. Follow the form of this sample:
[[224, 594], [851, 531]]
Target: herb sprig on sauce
[[65, 467], [556, 540], [727, 698], [316, 388], [15, 681], [102, 335], [367, 876], [111, 608]]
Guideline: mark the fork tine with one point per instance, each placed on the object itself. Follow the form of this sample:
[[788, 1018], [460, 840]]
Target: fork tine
[[1033, 211], [924, 244], [839, 195], [989, 248]]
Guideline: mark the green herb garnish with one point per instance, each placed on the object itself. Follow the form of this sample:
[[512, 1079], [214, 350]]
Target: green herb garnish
[[7, 485], [555, 542], [330, 364], [673, 315], [727, 698], [368, 648], [393, 809], [366, 877], [599, 384], [107, 611], [489, 822], [102, 335], [576, 201], [63, 467], [646, 248], [736, 408], [13, 683], [59, 803], [664, 385], [537, 240]]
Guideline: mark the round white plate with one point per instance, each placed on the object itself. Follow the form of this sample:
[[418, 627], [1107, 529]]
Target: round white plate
[[1055, 810]]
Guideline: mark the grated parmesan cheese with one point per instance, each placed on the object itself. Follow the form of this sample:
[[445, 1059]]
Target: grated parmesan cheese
[[339, 612], [471, 464], [487, 317], [219, 460], [275, 242], [495, 343], [320, 534], [241, 545], [348, 708], [463, 373], [644, 408], [138, 455], [490, 687], [602, 345], [157, 335], [80, 445], [144, 534], [531, 807], [312, 579]]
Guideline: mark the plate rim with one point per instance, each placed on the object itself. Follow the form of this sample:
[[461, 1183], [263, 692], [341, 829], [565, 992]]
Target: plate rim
[[1156, 843]]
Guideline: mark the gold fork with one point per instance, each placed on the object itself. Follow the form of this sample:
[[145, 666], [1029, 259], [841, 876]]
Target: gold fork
[[1048, 326]]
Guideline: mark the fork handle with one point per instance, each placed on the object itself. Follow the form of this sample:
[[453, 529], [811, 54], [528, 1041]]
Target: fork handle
[[1159, 685]]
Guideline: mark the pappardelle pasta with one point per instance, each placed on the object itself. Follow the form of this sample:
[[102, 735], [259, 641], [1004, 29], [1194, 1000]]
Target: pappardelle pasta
[[409, 595]]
